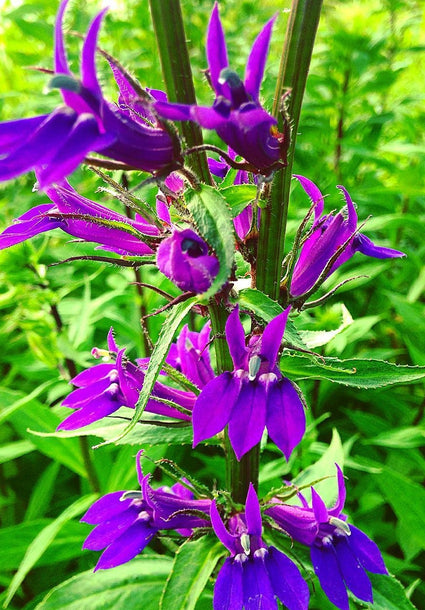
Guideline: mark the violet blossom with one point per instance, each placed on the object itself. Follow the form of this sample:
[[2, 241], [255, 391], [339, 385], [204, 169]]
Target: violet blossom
[[84, 219], [126, 521], [341, 554], [190, 355], [254, 396], [104, 388], [236, 115], [183, 258], [255, 574], [58, 142], [328, 234]]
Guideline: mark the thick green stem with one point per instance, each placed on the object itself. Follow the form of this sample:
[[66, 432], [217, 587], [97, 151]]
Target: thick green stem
[[169, 30], [294, 66]]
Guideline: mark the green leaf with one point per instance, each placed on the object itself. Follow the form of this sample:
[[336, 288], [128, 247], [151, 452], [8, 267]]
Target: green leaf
[[354, 372], [11, 451], [156, 361], [42, 492], [400, 438], [11, 401], [132, 586], [43, 540], [388, 593], [212, 219], [266, 308], [239, 196], [193, 564], [324, 467]]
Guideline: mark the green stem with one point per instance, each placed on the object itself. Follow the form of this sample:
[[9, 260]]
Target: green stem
[[169, 30], [294, 66]]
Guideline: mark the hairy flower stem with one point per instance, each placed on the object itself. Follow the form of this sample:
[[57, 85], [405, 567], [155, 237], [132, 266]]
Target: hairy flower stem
[[169, 30], [294, 66]]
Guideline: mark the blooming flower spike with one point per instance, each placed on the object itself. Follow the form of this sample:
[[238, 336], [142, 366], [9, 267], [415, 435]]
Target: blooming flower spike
[[254, 396], [255, 574], [236, 115], [341, 554]]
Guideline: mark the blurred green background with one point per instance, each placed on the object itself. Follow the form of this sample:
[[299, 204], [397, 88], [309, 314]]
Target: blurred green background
[[363, 126]]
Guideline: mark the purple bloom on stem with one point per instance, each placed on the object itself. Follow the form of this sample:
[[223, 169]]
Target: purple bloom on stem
[[57, 143], [126, 521], [254, 396], [236, 115], [255, 574], [340, 553], [184, 259], [104, 388], [330, 232], [190, 355], [84, 219]]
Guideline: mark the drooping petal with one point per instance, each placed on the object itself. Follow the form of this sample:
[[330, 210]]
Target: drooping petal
[[288, 584], [228, 592], [327, 570], [253, 513], [285, 419], [272, 337], [93, 374], [32, 223], [13, 133], [173, 112], [214, 406], [220, 530], [216, 49], [353, 573], [235, 336], [248, 418], [93, 411], [106, 507], [257, 589], [128, 545], [109, 530], [363, 244], [367, 552], [257, 60]]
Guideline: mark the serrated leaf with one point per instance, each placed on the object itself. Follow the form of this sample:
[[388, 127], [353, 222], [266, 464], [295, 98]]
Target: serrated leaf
[[156, 361], [193, 564], [239, 196], [354, 372], [388, 594], [266, 308], [317, 338], [43, 540], [213, 221], [132, 586]]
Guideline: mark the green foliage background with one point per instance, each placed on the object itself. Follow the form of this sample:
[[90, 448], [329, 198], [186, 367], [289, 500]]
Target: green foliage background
[[363, 126]]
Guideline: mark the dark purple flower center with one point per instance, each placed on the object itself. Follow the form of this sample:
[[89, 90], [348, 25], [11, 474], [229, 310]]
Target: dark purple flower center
[[330, 533], [192, 247], [238, 92]]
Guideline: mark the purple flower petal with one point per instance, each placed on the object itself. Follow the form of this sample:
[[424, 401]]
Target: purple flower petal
[[15, 132], [220, 530], [228, 592], [287, 582], [214, 406], [106, 507], [28, 225], [336, 510], [363, 244], [257, 589], [355, 577], [326, 567], [285, 419], [216, 49], [109, 530], [95, 410], [248, 418], [314, 194], [319, 507], [253, 513], [257, 60], [88, 63], [367, 552], [235, 336], [272, 337], [93, 374], [128, 545]]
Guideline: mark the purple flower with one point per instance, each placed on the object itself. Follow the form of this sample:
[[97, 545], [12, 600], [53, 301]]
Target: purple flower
[[104, 388], [82, 218], [57, 143], [236, 115], [329, 232], [255, 574], [340, 553], [126, 521], [184, 259], [190, 355], [254, 396]]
